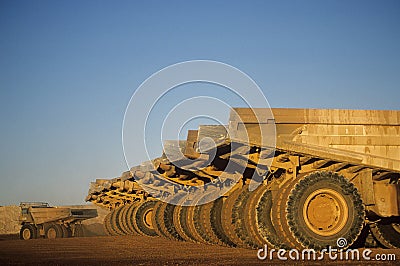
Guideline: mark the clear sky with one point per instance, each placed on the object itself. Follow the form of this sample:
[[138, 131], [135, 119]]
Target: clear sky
[[68, 69]]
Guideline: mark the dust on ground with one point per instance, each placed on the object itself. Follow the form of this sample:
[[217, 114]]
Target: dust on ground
[[140, 250], [123, 250]]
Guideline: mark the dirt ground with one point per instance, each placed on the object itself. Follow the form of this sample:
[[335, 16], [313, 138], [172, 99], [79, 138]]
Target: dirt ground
[[123, 250]]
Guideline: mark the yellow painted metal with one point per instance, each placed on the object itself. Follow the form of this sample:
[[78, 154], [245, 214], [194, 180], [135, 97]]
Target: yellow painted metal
[[370, 137], [147, 218], [325, 212]]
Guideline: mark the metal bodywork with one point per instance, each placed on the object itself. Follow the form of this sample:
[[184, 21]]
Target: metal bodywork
[[363, 145], [360, 145], [40, 215]]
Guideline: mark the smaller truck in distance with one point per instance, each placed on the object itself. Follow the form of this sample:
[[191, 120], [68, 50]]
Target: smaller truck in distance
[[38, 219]]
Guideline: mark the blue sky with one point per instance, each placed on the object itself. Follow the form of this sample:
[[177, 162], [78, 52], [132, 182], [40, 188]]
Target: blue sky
[[68, 69]]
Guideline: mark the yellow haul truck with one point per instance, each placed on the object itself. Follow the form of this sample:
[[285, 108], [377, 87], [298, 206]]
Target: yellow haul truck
[[328, 175], [39, 219]]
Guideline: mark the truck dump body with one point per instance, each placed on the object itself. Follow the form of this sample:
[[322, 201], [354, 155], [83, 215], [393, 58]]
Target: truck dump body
[[302, 178], [371, 136], [41, 215]]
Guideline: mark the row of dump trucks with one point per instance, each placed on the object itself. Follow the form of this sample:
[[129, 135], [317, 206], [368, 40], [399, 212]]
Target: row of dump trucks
[[288, 178]]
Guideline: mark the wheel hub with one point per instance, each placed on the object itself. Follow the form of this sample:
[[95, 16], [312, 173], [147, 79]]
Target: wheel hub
[[325, 212], [51, 233], [26, 234], [148, 219]]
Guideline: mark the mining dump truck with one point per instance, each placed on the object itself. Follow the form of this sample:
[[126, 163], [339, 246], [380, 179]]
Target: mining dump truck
[[331, 178], [38, 219]]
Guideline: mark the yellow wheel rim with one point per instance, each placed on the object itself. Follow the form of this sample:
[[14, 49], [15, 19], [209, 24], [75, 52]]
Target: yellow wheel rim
[[147, 218], [26, 234], [51, 233], [325, 212]]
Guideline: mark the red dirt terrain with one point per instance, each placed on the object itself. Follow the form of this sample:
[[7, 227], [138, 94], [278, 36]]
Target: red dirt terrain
[[123, 250]]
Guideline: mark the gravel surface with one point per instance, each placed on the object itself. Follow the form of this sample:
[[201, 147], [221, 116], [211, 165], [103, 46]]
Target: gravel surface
[[123, 250]]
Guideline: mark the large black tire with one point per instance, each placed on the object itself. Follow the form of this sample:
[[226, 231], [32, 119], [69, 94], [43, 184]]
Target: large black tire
[[229, 219], [122, 220], [110, 225], [200, 223], [257, 219], [168, 222], [216, 222], [202, 216], [179, 223], [387, 232], [262, 220], [209, 221], [79, 232], [192, 214], [67, 232], [28, 231], [239, 216], [53, 231], [182, 228], [278, 215], [156, 219], [322, 208], [114, 221], [143, 217], [107, 225], [129, 218]]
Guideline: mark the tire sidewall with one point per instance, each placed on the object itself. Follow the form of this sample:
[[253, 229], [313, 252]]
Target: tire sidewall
[[298, 197], [141, 210]]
